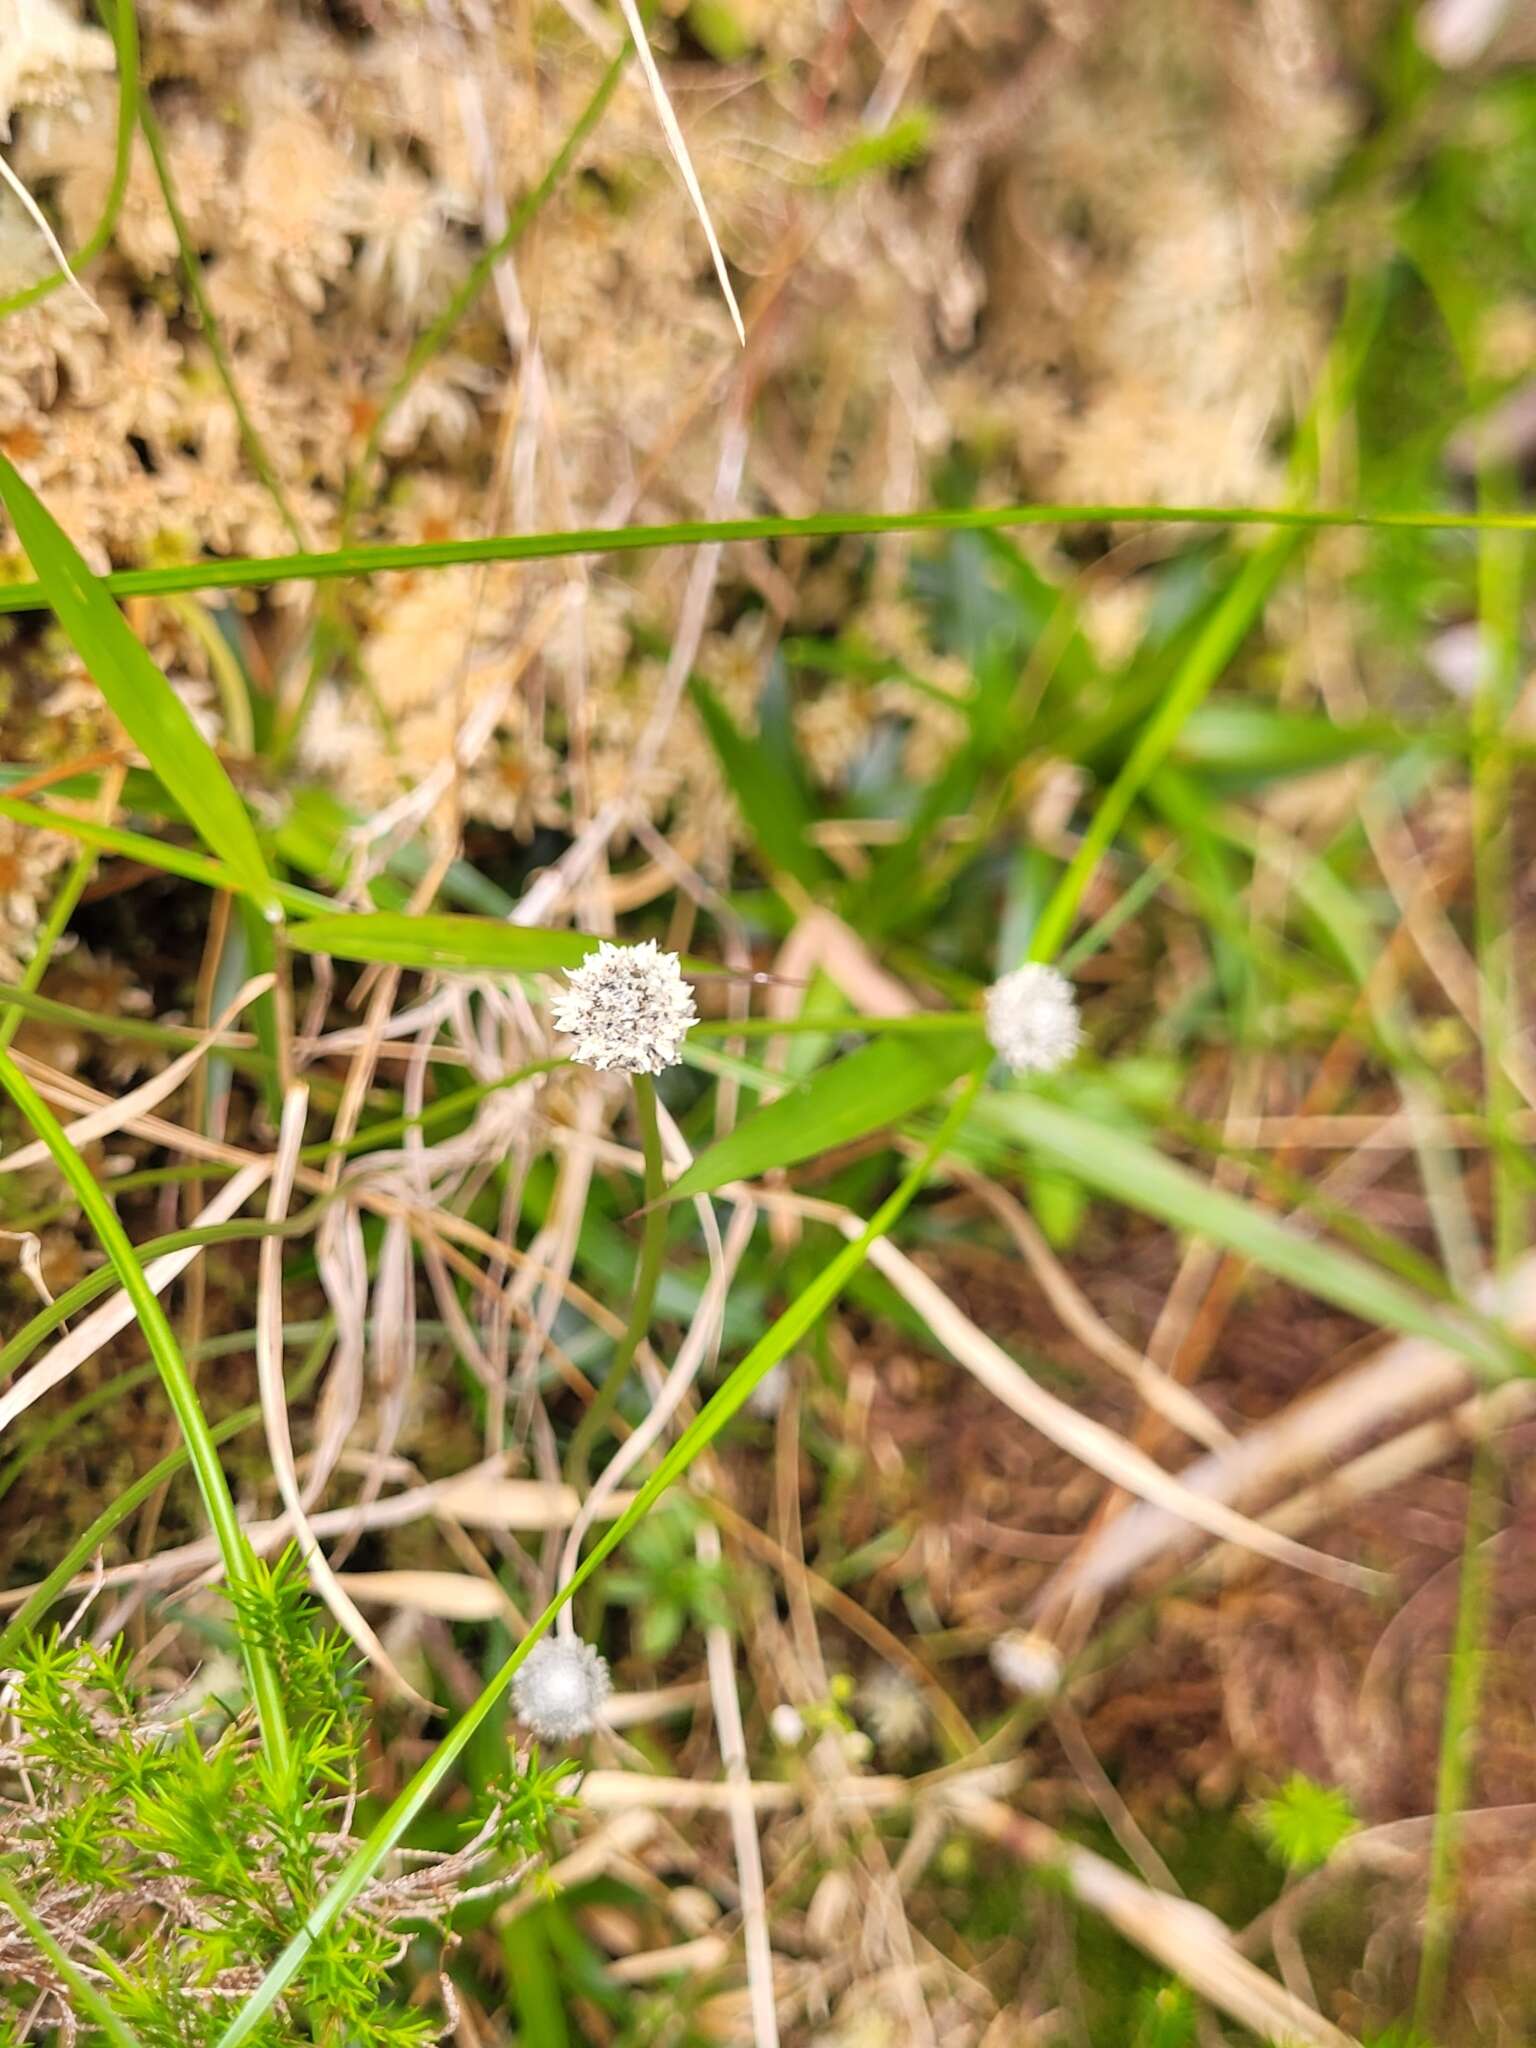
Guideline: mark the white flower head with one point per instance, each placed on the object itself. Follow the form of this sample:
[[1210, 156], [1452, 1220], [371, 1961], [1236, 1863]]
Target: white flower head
[[786, 1726], [894, 1711], [1029, 1663], [561, 1688], [767, 1397], [1032, 1019], [626, 1007]]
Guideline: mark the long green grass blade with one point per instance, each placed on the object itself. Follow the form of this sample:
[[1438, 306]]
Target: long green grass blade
[[528, 209], [451, 944], [163, 1348], [781, 1338], [1215, 646], [1130, 1171], [259, 571], [91, 1538], [143, 701], [773, 802], [157, 853], [192, 270]]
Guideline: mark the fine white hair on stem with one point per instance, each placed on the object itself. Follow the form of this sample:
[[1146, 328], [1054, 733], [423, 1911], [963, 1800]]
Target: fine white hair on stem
[[679, 149], [626, 1007], [1032, 1020], [561, 1688]]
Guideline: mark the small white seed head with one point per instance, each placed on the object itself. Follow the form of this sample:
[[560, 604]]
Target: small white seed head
[[786, 1726], [1029, 1663], [767, 1397], [561, 1688], [894, 1711], [1032, 1020], [626, 1007]]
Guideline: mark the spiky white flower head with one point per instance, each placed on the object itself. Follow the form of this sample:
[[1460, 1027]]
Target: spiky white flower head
[[1032, 1019], [894, 1710], [561, 1688], [626, 1007], [1029, 1663]]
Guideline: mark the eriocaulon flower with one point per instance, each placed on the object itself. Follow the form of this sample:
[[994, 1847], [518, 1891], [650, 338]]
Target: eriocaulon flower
[[1029, 1663], [626, 1007], [561, 1688], [1032, 1019]]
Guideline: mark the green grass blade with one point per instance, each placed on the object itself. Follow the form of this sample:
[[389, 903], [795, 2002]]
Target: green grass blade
[[157, 853], [91, 1538], [144, 703], [1129, 1171], [781, 1338], [163, 1348], [192, 270], [254, 572], [1215, 646], [479, 274], [451, 944], [125, 34], [773, 801], [869, 1090]]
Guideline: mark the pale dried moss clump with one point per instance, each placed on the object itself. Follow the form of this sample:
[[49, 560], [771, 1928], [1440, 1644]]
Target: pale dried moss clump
[[1081, 278]]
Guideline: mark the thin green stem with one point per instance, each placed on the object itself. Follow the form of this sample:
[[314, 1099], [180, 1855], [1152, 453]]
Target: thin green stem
[[60, 911], [217, 1501], [124, 27], [918, 1024], [90, 1540], [1500, 581], [653, 1245], [478, 276], [787, 1331], [192, 269], [1458, 1738], [91, 1288]]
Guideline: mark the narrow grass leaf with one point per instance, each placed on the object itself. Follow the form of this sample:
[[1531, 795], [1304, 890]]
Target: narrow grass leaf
[[773, 801], [870, 1089], [1213, 649], [449, 943], [153, 1321], [1131, 1172], [144, 703], [250, 572]]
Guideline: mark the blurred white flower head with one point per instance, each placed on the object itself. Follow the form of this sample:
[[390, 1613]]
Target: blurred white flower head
[[1029, 1663], [894, 1711], [1032, 1020], [767, 1397], [626, 1007], [786, 1726], [561, 1688]]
